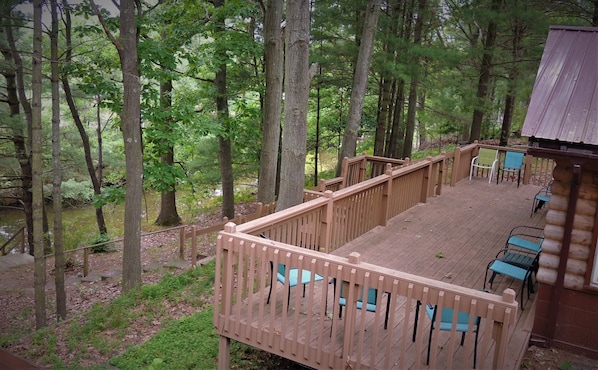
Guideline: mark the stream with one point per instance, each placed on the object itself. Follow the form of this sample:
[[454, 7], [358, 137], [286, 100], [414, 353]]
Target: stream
[[79, 223]]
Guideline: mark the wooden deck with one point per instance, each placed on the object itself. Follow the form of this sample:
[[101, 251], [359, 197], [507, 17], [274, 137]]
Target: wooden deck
[[452, 238]]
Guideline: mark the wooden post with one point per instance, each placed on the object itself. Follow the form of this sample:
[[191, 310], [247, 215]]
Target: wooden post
[[440, 179], [456, 172], [527, 168], [22, 240], [500, 333], [181, 242], [224, 353], [386, 196], [344, 172], [352, 291], [326, 223], [193, 246], [85, 262], [363, 165], [423, 196]]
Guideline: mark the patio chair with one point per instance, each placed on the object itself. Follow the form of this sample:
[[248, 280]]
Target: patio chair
[[513, 163], [527, 239], [542, 197], [294, 278], [370, 304], [518, 272], [445, 322], [486, 159], [522, 249]]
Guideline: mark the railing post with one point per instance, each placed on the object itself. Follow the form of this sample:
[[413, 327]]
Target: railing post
[[423, 197], [85, 262], [193, 247], [22, 240], [363, 165], [500, 334], [386, 195], [527, 168], [344, 172], [440, 179], [182, 242], [352, 290], [326, 223], [456, 172]]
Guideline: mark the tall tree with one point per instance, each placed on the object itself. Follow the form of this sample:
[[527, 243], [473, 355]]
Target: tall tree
[[274, 63], [130, 118], [37, 169], [95, 173], [168, 215], [484, 75], [57, 168], [296, 86], [415, 80], [359, 82], [224, 139], [17, 97]]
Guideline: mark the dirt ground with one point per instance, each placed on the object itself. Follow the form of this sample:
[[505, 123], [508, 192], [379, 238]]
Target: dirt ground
[[537, 358]]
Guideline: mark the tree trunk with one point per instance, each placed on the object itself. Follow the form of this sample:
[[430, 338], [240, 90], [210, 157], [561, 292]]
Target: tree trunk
[[397, 135], [57, 178], [296, 83], [168, 213], [131, 129], [95, 177], [412, 105], [513, 77], [225, 145], [484, 79], [359, 83], [21, 140], [274, 62], [383, 114], [37, 169]]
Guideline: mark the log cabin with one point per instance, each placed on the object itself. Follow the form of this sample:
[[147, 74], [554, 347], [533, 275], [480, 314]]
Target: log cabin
[[562, 124]]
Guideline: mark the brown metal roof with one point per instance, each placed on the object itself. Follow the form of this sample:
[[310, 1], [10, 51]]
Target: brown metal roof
[[564, 102]]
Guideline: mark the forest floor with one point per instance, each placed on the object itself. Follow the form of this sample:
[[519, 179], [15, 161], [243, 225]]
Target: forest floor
[[17, 318]]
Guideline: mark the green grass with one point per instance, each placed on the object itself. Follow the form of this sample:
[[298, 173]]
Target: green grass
[[187, 343]]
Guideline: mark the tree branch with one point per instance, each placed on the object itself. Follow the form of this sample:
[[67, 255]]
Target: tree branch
[[113, 39]]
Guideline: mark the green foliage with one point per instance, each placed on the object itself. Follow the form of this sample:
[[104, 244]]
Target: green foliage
[[566, 366], [74, 192], [104, 246], [189, 343], [109, 194]]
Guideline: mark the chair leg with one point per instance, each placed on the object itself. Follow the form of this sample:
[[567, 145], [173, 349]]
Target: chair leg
[[416, 319], [430, 337], [271, 281], [387, 311], [475, 345], [518, 177]]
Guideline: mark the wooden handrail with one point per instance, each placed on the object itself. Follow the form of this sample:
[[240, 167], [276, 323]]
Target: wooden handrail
[[21, 234]]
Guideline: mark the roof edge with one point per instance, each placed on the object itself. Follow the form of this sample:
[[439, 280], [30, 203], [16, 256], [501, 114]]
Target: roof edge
[[574, 28]]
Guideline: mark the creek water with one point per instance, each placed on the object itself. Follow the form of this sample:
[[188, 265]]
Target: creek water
[[79, 223]]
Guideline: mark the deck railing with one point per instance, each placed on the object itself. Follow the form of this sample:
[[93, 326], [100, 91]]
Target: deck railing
[[17, 240], [334, 213], [307, 329]]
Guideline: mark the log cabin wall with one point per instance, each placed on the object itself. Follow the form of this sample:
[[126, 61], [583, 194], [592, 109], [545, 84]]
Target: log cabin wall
[[576, 325]]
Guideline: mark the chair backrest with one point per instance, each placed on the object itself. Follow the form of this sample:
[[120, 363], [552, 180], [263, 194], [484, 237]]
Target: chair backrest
[[486, 157], [372, 295], [281, 269], [514, 160]]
